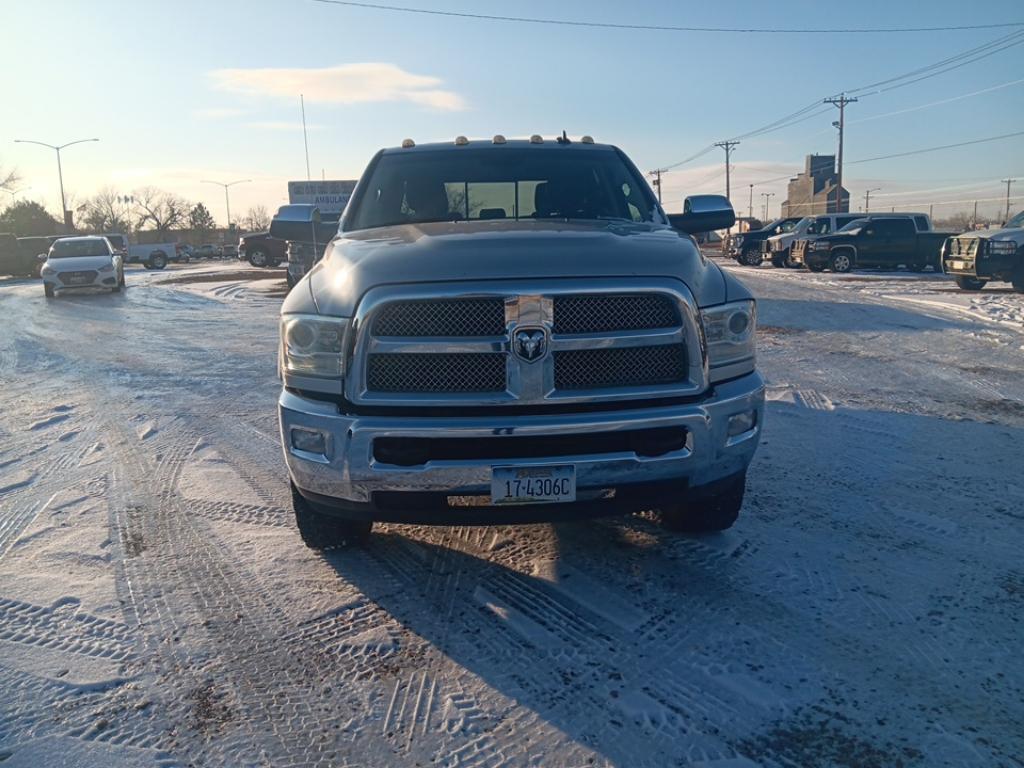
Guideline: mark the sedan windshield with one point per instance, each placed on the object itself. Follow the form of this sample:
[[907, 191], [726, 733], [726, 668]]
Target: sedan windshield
[[65, 249], [501, 183]]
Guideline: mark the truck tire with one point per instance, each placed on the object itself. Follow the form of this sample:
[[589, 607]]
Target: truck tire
[[258, 257], [1017, 281], [841, 260], [713, 509], [274, 263], [970, 283], [750, 257], [156, 260], [320, 531], [779, 261]]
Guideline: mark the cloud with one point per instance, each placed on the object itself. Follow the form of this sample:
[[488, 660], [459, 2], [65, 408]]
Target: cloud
[[344, 84]]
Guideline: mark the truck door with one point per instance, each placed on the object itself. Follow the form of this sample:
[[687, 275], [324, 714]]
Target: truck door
[[901, 247]]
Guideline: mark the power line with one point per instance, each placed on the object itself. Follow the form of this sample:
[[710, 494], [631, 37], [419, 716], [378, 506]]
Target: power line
[[936, 149], [661, 27]]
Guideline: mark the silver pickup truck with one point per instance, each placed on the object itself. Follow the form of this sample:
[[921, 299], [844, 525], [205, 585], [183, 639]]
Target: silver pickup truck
[[514, 331]]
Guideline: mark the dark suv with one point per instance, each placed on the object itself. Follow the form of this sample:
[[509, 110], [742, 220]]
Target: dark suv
[[746, 247]]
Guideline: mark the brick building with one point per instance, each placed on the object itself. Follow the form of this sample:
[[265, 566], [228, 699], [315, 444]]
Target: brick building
[[814, 191]]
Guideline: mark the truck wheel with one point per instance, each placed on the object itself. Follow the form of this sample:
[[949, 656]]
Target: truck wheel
[[320, 531], [1018, 279], [258, 258], [751, 258], [841, 261], [157, 260], [274, 263], [778, 262], [714, 509], [970, 283]]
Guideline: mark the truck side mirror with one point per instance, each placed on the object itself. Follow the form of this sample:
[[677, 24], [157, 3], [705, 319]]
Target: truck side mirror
[[296, 222], [703, 213]]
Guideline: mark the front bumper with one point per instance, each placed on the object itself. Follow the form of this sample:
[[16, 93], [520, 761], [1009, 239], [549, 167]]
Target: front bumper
[[61, 281], [349, 481]]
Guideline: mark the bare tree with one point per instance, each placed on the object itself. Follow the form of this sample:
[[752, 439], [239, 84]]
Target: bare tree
[[160, 210], [958, 222], [256, 218], [104, 212], [8, 178]]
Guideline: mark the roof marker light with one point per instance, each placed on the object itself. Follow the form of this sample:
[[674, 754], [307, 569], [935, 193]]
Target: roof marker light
[[587, 140], [498, 139], [408, 143], [536, 139], [461, 141]]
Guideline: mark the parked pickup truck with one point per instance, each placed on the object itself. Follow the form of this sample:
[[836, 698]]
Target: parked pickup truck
[[746, 246], [262, 250], [157, 255], [878, 241], [511, 331], [974, 258]]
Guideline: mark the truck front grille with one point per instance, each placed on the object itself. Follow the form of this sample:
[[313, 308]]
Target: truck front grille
[[600, 314], [446, 317], [436, 373], [620, 367], [964, 246], [595, 344]]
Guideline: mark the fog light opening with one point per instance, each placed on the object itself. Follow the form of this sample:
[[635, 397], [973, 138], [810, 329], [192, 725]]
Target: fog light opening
[[309, 441], [741, 423]]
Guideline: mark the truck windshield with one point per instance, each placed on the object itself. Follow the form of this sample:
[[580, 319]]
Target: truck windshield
[[502, 183], [1016, 221], [65, 249]]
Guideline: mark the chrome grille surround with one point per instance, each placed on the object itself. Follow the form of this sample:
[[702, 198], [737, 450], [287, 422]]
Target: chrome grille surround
[[964, 246], [679, 372]]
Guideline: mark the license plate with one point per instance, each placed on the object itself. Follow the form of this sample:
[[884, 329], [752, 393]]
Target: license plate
[[533, 485], [77, 279]]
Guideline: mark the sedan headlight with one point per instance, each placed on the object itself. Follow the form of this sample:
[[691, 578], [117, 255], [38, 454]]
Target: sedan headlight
[[730, 330], [313, 346], [48, 270], [107, 268], [1002, 247]]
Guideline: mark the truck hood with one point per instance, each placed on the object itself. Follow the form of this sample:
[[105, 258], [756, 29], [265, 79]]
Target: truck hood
[[1014, 234], [497, 250]]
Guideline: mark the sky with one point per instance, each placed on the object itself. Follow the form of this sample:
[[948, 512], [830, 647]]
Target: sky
[[185, 91]]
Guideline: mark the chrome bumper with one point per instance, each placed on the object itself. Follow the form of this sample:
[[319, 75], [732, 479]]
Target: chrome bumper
[[348, 472]]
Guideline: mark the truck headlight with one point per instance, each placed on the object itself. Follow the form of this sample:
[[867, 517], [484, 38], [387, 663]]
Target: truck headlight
[[1002, 247], [730, 330], [312, 345]]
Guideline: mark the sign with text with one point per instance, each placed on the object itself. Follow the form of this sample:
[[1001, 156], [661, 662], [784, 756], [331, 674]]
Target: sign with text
[[330, 197]]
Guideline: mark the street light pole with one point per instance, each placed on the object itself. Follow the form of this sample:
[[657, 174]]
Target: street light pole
[[867, 198], [227, 200], [15, 192], [840, 101], [766, 195], [750, 203], [60, 170]]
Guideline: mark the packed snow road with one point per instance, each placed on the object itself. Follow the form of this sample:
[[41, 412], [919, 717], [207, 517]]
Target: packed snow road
[[157, 607]]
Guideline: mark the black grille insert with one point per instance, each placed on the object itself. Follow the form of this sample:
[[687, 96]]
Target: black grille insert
[[620, 367], [598, 313], [442, 372], [442, 317], [415, 451]]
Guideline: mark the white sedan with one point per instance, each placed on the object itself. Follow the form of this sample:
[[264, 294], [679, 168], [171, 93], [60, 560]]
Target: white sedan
[[82, 262]]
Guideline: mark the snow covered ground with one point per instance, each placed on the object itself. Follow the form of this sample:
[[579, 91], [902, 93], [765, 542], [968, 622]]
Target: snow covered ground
[[158, 609]]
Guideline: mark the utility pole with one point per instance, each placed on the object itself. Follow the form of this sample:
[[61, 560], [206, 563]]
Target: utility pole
[[750, 204], [60, 173], [305, 137], [766, 195], [867, 198], [1007, 182], [657, 182], [727, 146], [227, 200], [840, 101], [974, 219]]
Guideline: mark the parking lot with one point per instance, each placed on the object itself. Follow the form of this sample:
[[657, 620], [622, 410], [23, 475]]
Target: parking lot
[[157, 606]]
